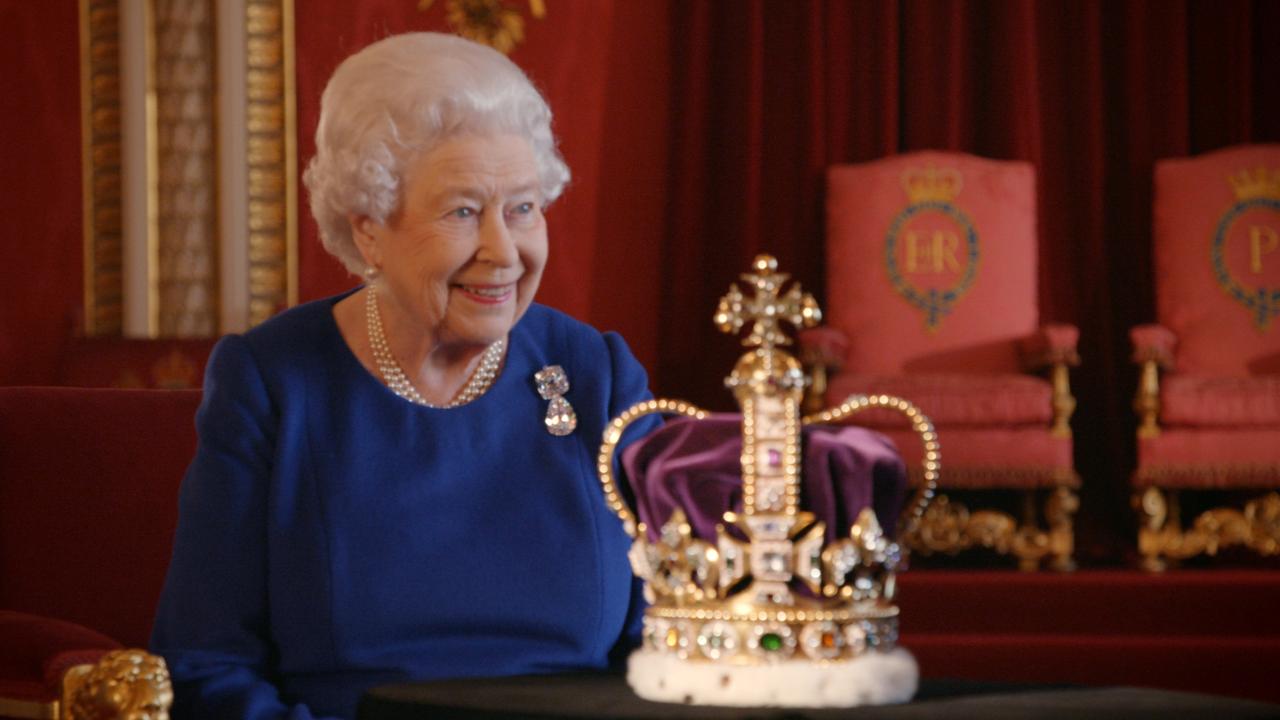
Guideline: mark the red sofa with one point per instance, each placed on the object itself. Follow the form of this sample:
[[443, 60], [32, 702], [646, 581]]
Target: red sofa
[[88, 504]]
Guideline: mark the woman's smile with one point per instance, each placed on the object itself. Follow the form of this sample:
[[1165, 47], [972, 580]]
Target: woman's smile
[[488, 294]]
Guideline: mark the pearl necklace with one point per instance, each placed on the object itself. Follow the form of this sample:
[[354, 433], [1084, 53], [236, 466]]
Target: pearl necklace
[[393, 375]]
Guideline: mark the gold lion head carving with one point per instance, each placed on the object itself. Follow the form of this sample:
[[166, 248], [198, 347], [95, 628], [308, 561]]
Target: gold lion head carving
[[124, 685]]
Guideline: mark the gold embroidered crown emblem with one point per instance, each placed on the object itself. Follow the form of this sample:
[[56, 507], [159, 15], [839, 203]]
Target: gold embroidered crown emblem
[[1257, 183], [768, 590], [932, 184]]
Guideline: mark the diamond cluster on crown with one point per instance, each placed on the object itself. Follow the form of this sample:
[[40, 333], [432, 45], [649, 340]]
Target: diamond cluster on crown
[[768, 587]]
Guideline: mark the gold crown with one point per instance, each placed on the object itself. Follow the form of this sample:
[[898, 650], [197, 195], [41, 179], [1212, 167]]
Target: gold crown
[[783, 596], [932, 184], [1257, 183]]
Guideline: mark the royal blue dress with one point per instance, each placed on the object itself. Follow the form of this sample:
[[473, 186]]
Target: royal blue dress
[[333, 536]]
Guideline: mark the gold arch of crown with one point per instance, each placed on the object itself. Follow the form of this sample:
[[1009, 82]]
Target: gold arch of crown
[[733, 600]]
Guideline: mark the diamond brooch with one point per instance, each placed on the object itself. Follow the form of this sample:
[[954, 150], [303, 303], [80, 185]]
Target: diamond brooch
[[552, 385]]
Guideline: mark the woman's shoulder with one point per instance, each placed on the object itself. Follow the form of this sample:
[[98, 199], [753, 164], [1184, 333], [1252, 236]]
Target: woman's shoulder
[[309, 318], [565, 340], [556, 332], [541, 320], [298, 328], [303, 333]]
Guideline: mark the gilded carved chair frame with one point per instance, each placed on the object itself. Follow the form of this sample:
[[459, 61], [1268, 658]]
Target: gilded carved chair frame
[[1163, 537]]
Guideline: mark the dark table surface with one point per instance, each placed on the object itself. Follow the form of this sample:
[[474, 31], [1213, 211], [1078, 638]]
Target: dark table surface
[[608, 696]]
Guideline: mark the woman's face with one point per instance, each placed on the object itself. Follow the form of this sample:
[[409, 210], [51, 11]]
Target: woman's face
[[462, 258]]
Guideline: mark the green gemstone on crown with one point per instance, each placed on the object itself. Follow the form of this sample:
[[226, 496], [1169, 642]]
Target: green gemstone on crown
[[771, 642]]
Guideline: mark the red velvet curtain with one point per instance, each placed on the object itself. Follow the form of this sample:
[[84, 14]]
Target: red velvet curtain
[[41, 293], [768, 94]]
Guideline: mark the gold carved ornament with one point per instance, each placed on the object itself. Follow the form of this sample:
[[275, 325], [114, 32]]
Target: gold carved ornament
[[122, 685], [1161, 537], [731, 600], [950, 527], [128, 684], [489, 22]]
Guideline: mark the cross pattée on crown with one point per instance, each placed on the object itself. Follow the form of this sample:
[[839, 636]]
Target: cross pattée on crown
[[765, 308], [768, 384]]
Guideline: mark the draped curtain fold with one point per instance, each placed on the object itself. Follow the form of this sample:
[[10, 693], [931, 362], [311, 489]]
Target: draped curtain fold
[[766, 95]]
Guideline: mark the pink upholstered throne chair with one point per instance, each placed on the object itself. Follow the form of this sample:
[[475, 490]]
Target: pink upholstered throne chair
[[1209, 390], [931, 296]]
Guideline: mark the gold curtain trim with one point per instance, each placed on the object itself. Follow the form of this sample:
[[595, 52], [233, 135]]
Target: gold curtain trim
[[101, 179], [272, 158]]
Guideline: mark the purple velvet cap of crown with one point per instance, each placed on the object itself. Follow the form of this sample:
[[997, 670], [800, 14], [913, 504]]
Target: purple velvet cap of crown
[[696, 465]]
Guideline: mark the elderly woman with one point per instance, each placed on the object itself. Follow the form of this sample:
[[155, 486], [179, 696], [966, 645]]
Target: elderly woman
[[398, 482]]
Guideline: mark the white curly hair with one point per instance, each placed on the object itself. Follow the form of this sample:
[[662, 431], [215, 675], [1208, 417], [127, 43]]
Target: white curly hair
[[399, 97]]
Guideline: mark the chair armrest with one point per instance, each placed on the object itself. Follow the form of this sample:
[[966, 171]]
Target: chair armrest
[[35, 652], [822, 352], [1153, 349], [57, 669], [1153, 343], [1052, 344], [824, 346]]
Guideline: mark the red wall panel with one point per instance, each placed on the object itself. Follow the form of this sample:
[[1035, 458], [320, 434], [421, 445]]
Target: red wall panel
[[40, 270]]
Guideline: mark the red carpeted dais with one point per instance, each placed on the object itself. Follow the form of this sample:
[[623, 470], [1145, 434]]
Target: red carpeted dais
[[1213, 631]]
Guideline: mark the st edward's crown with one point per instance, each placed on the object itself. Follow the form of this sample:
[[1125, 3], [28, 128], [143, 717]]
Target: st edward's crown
[[767, 611]]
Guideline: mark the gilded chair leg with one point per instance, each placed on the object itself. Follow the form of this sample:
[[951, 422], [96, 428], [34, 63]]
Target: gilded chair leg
[[1174, 526], [1059, 513], [1032, 543], [1154, 531]]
